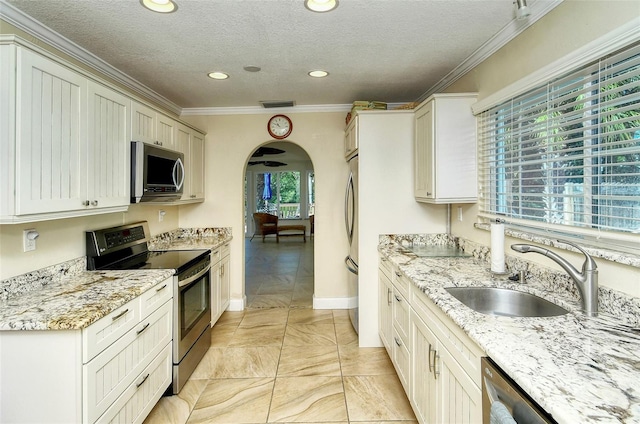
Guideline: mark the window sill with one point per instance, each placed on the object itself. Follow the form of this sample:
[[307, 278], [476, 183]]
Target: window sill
[[597, 252]]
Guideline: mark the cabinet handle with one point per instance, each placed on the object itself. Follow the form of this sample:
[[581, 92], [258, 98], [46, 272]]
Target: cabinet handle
[[428, 193], [161, 288], [94, 203], [397, 341], [216, 252], [193, 196], [430, 364], [143, 328], [222, 270], [398, 298], [120, 315], [143, 380], [383, 259], [433, 368], [85, 203], [398, 274], [388, 296]]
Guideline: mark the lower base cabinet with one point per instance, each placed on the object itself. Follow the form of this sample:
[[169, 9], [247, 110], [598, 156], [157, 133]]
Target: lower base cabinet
[[442, 361], [115, 370], [220, 281]]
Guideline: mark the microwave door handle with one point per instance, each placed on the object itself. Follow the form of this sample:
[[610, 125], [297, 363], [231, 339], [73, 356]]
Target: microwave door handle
[[178, 167]]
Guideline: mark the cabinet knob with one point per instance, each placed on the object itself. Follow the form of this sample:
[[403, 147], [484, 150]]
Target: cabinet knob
[[398, 298], [398, 342], [398, 274], [429, 193], [85, 203], [94, 203], [193, 196]]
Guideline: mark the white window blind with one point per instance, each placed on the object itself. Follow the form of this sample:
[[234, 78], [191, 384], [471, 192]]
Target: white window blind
[[568, 152]]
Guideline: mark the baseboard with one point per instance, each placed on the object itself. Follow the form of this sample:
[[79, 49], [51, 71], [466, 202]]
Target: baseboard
[[237, 304], [334, 302]]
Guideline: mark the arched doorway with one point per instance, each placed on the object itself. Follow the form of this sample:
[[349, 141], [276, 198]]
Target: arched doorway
[[279, 181]]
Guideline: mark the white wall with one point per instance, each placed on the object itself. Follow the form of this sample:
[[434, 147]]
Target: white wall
[[568, 27], [230, 141]]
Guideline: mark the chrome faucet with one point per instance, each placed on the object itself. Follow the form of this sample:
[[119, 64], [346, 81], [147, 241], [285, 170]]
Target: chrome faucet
[[587, 280]]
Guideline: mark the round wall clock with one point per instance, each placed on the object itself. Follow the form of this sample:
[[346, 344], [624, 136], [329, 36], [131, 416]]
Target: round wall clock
[[279, 127]]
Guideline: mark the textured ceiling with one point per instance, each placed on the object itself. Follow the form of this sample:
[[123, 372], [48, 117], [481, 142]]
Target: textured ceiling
[[387, 50]]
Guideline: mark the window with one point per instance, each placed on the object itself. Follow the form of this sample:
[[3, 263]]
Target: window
[[278, 193], [568, 152], [311, 191]]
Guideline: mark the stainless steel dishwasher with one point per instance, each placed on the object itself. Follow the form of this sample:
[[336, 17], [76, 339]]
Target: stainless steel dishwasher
[[503, 402]]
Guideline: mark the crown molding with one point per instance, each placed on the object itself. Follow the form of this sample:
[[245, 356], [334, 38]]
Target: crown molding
[[42, 32], [259, 110], [508, 33]]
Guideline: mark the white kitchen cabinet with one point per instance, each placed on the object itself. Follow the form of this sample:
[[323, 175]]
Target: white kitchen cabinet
[[385, 295], [351, 138], [68, 155], [220, 281], [446, 379], [121, 361], [152, 127], [191, 143], [445, 169]]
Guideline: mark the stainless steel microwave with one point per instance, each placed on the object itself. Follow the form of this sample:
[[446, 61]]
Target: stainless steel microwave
[[157, 174]]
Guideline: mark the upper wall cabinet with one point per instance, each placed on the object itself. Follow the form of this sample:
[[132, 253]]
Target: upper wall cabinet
[[445, 150], [351, 138], [68, 153], [152, 127], [191, 143]]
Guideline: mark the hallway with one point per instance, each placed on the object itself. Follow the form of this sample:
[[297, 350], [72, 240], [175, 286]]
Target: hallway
[[282, 361]]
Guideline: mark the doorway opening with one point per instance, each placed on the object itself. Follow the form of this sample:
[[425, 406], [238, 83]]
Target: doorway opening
[[279, 182]]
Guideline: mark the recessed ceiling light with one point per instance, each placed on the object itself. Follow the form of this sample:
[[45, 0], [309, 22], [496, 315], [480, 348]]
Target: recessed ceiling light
[[218, 75], [318, 74], [160, 6], [252, 68], [320, 5]]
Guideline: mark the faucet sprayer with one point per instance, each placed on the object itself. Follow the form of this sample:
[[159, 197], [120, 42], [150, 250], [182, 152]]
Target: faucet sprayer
[[586, 281]]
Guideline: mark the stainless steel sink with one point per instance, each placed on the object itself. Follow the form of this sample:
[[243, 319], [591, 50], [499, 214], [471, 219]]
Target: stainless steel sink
[[505, 302]]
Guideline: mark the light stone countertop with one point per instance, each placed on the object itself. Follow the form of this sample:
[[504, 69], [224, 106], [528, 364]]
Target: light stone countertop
[[68, 297], [579, 369]]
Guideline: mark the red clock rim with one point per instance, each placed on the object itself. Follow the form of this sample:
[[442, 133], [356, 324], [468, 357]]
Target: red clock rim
[[280, 137]]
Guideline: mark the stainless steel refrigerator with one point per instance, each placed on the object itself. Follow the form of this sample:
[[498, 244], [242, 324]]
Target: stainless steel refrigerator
[[351, 226]]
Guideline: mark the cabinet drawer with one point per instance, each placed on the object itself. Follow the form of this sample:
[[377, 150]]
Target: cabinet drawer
[[141, 396], [111, 372], [401, 312], [154, 298], [402, 283], [385, 267], [401, 360], [101, 334], [225, 250], [452, 337], [216, 255]]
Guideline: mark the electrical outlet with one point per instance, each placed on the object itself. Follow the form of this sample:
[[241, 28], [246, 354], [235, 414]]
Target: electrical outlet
[[460, 213], [29, 240], [161, 214]]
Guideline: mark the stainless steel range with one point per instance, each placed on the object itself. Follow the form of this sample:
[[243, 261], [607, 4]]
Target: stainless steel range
[[126, 247]]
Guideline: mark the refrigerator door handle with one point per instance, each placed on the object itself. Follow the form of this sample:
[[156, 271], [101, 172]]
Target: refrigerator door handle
[[349, 213], [351, 265]]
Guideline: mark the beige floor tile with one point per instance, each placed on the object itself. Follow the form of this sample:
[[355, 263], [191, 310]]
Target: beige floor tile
[[310, 334], [341, 316], [308, 399], [275, 288], [262, 317], [221, 335], [270, 300], [309, 361], [242, 362], [267, 335], [346, 335], [230, 318], [376, 398], [244, 400], [301, 302], [176, 409], [356, 360], [310, 316]]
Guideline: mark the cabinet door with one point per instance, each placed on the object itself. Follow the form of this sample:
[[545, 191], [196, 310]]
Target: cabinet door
[[51, 146], [461, 399], [197, 165], [109, 154], [183, 139], [215, 292], [384, 316], [351, 138], [423, 380], [166, 131], [143, 123], [225, 282], [424, 152]]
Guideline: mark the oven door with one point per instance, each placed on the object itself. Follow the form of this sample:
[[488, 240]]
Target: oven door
[[193, 308]]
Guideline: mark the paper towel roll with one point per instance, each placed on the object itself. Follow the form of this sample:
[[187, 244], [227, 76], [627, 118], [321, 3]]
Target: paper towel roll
[[497, 247]]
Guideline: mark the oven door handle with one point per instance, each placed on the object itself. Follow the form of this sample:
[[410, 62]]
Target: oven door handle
[[190, 280]]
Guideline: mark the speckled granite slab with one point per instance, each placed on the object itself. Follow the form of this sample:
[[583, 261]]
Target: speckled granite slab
[[191, 238], [579, 369], [76, 301]]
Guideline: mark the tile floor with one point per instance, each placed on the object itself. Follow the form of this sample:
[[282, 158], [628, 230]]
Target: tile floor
[[281, 361]]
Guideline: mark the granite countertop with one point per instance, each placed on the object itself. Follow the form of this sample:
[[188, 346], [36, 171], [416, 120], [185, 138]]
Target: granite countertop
[[579, 369], [76, 301], [68, 297]]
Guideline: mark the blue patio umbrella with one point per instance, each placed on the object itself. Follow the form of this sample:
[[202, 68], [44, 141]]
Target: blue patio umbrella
[[266, 193]]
